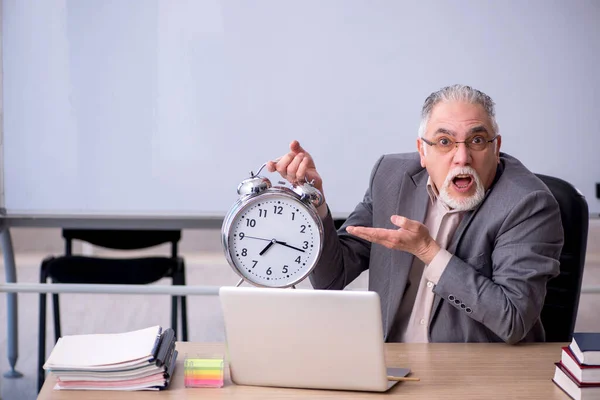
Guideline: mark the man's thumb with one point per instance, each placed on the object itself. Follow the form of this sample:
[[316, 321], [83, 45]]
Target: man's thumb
[[398, 220], [296, 148]]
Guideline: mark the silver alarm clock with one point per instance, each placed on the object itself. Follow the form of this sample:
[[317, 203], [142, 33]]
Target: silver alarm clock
[[273, 235]]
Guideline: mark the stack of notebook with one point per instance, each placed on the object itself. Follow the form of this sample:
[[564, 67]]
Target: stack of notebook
[[138, 360], [578, 372]]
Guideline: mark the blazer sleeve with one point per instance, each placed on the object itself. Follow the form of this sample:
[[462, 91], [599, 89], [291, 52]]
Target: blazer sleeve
[[524, 258], [344, 257]]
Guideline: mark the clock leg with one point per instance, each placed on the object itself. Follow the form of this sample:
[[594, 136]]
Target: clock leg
[[240, 283]]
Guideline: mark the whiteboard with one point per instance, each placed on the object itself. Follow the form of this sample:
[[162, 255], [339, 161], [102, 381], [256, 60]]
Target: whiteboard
[[159, 106]]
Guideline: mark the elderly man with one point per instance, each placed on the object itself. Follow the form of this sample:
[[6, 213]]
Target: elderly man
[[459, 239]]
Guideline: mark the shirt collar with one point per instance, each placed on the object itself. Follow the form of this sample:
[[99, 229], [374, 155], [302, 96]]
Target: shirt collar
[[434, 196], [432, 190]]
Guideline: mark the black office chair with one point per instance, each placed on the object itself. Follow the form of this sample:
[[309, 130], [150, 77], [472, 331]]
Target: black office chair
[[562, 298], [96, 270]]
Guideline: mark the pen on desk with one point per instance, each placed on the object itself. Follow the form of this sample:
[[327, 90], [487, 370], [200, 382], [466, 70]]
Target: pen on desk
[[402, 378]]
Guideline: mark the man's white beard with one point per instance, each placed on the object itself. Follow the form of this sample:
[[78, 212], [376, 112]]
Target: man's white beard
[[462, 203]]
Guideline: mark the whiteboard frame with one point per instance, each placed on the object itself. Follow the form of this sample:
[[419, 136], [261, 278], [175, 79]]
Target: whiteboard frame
[[2, 200]]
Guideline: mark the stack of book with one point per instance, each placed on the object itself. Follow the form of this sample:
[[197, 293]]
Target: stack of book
[[138, 360], [578, 372]]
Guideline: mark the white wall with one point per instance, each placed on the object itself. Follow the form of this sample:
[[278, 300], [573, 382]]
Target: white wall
[[161, 106]]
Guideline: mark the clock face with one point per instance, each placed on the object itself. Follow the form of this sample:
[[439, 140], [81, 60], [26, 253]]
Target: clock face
[[274, 240]]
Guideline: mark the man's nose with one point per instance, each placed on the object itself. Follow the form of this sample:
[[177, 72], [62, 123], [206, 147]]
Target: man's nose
[[462, 154]]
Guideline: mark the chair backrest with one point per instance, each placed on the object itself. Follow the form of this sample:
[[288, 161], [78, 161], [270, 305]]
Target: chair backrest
[[562, 298], [122, 239]]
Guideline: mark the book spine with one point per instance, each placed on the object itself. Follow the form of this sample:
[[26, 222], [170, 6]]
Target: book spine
[[165, 345], [157, 343], [169, 358], [170, 370]]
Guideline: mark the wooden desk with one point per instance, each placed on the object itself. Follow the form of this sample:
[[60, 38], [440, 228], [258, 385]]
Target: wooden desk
[[449, 371]]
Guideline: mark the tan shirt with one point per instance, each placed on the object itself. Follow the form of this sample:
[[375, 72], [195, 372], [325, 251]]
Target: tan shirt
[[415, 309]]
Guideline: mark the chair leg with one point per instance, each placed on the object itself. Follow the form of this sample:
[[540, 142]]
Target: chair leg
[[174, 314], [56, 310], [174, 303], [184, 325], [42, 333], [179, 279]]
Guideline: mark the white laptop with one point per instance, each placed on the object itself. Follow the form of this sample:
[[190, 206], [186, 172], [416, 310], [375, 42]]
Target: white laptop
[[301, 338]]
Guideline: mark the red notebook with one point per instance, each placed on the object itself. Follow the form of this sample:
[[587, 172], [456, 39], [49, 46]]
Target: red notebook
[[572, 387], [583, 373]]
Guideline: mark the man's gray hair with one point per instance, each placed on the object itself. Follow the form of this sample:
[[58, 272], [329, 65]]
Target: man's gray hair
[[460, 93]]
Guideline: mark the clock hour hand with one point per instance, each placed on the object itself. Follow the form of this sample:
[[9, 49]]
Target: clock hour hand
[[263, 251], [287, 245]]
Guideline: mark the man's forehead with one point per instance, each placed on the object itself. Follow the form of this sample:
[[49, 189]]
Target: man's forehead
[[447, 114], [458, 110], [477, 129]]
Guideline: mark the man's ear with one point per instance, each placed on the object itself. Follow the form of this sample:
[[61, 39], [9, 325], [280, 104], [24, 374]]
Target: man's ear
[[421, 150], [498, 144]]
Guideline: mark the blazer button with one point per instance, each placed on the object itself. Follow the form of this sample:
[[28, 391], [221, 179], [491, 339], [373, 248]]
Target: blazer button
[[468, 310], [462, 305], [451, 297], [456, 301]]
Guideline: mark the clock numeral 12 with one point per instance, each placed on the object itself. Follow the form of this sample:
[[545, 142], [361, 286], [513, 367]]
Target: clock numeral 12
[[277, 210]]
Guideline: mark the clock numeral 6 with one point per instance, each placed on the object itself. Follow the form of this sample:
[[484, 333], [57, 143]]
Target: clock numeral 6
[[269, 272], [285, 269]]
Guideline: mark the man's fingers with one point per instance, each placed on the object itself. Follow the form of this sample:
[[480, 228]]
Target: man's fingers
[[292, 168], [303, 167], [282, 165], [375, 235], [405, 223], [296, 148]]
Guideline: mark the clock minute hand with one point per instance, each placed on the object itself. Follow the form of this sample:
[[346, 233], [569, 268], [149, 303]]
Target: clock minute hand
[[287, 245]]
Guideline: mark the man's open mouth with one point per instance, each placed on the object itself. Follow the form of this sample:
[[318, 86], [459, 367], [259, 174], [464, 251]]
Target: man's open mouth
[[462, 182]]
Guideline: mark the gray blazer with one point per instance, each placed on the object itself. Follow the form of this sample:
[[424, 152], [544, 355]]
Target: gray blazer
[[504, 252]]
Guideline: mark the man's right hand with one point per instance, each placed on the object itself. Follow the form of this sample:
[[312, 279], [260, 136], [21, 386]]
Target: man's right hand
[[297, 167]]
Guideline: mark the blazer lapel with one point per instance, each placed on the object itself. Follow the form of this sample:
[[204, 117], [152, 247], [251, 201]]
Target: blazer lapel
[[412, 204], [454, 245]]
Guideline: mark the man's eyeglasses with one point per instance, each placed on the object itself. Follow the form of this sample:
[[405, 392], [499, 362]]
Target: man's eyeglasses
[[444, 144]]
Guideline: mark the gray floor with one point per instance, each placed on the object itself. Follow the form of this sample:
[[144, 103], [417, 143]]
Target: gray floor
[[205, 266]]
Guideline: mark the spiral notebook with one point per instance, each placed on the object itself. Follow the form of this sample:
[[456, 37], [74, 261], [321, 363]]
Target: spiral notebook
[[137, 360]]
